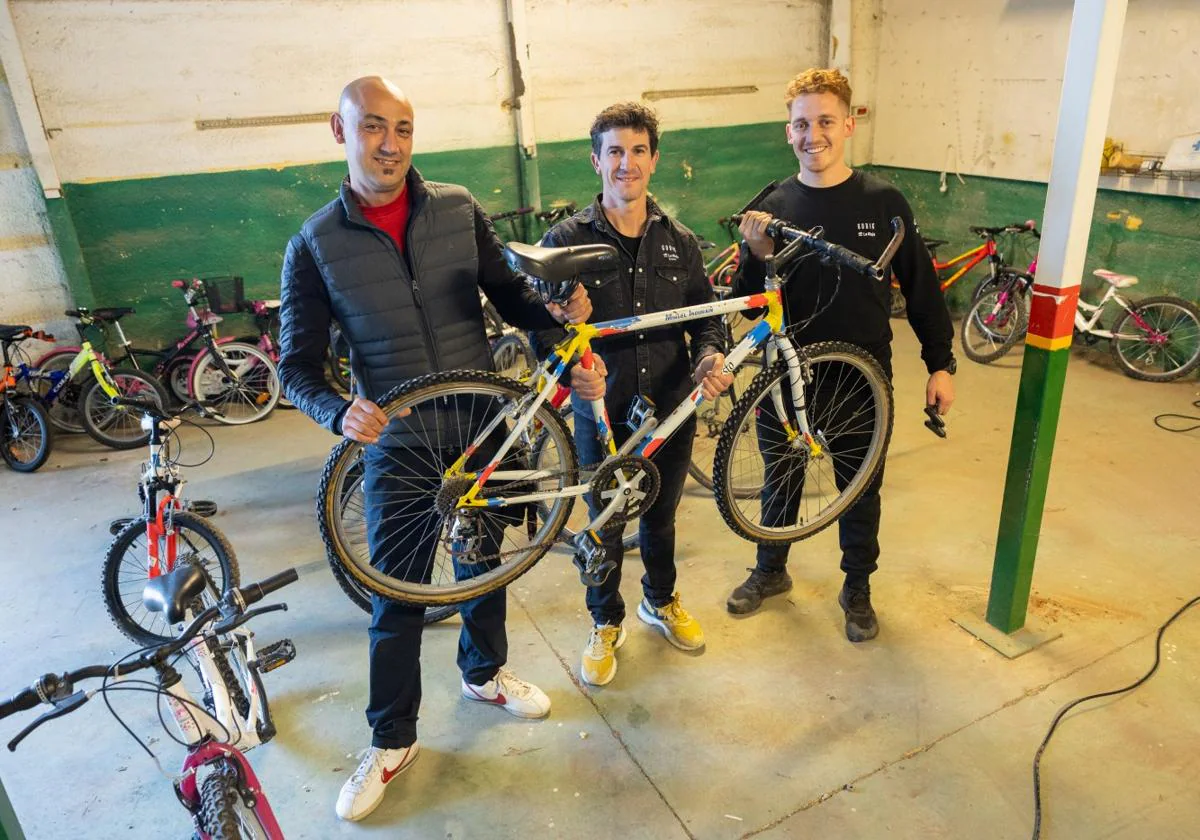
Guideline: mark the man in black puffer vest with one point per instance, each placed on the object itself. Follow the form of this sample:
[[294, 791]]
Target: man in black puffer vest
[[399, 262]]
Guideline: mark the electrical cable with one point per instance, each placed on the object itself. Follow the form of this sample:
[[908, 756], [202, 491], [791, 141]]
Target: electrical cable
[[1037, 759], [1189, 417]]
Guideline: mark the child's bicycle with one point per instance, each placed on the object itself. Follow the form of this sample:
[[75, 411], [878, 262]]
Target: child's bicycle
[[492, 473], [24, 426], [166, 536], [1156, 339], [76, 386], [216, 783]]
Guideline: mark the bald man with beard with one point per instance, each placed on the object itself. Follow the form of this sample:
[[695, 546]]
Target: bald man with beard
[[399, 261]]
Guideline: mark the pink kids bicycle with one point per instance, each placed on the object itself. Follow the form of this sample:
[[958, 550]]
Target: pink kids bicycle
[[216, 784]]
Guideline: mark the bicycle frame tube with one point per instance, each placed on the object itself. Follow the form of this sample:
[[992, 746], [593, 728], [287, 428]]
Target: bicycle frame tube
[[1088, 324], [976, 256]]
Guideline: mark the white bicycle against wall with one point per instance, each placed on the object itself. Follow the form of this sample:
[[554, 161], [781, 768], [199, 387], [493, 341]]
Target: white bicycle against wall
[[1156, 339]]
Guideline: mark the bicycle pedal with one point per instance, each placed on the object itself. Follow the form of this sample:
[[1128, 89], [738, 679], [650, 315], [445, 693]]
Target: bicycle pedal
[[118, 525], [275, 655], [641, 409]]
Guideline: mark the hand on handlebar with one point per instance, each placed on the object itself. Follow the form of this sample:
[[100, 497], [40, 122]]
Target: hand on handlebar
[[753, 228]]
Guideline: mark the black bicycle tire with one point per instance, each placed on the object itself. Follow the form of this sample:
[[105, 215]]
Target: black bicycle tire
[[110, 571], [220, 801], [89, 423], [31, 405], [528, 358], [1125, 316], [338, 341], [440, 384], [897, 305], [1010, 341], [696, 471], [333, 475], [872, 463]]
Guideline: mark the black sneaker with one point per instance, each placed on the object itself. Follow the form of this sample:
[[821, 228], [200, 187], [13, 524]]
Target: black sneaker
[[749, 596], [861, 625]]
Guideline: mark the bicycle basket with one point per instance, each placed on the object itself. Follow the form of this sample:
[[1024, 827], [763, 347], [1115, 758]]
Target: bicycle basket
[[225, 295]]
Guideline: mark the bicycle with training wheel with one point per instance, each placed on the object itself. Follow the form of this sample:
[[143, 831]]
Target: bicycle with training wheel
[[1156, 339], [216, 784], [166, 536], [76, 386], [24, 426], [489, 472]]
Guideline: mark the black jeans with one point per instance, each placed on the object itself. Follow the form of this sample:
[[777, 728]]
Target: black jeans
[[656, 530], [399, 487], [783, 486]]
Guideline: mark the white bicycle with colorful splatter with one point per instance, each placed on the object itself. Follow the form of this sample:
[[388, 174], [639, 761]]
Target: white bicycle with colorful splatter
[[483, 472]]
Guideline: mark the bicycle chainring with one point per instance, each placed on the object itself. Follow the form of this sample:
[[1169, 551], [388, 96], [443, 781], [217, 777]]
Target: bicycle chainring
[[634, 477]]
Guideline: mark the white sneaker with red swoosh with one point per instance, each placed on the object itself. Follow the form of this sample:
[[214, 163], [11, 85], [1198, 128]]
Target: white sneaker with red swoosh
[[510, 693], [363, 791]]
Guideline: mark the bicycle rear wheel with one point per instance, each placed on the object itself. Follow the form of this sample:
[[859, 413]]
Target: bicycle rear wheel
[[848, 401], [64, 411], [1158, 341], [127, 569], [24, 433], [117, 426], [435, 422], [238, 380], [512, 356], [710, 419], [341, 510]]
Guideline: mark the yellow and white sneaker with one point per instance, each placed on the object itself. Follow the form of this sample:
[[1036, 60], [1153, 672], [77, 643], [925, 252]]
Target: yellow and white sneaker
[[674, 622], [600, 655]]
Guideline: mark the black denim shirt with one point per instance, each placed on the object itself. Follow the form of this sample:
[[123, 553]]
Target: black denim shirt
[[666, 273]]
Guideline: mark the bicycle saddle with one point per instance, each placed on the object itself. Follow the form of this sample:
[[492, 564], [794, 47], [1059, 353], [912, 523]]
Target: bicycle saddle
[[10, 331], [706, 244], [1120, 281], [559, 265], [171, 593], [933, 244]]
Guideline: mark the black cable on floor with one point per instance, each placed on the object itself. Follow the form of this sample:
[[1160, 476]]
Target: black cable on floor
[[1158, 420], [1037, 759]]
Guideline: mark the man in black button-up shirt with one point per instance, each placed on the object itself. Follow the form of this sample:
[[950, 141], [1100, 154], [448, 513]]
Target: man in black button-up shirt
[[660, 268]]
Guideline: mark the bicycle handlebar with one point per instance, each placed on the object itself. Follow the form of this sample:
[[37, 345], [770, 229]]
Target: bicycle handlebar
[[59, 690], [814, 240]]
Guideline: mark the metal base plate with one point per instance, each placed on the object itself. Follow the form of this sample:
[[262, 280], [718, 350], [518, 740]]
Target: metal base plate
[[1034, 634]]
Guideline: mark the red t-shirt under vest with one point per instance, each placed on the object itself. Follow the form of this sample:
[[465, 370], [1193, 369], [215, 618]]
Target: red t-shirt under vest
[[391, 218]]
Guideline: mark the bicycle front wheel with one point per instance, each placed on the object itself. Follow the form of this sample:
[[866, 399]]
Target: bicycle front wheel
[[1159, 340], [64, 411], [118, 426], [238, 380], [341, 510], [223, 813], [710, 419], [426, 549], [803, 489], [24, 433], [127, 569], [996, 322]]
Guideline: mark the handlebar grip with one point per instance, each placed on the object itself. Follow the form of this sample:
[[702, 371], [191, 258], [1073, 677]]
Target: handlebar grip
[[255, 592], [27, 699], [179, 284]]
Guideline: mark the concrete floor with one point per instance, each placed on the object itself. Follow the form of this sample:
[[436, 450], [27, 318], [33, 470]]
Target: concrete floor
[[780, 728]]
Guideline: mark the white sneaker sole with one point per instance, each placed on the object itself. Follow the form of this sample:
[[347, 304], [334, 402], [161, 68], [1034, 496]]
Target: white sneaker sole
[[616, 646], [661, 627]]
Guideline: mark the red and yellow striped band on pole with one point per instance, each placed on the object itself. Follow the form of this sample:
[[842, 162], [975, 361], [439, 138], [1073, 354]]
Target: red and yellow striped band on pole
[[1052, 316]]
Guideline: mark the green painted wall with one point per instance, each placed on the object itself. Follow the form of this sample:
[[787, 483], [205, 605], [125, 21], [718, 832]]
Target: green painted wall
[[137, 235], [1164, 251]]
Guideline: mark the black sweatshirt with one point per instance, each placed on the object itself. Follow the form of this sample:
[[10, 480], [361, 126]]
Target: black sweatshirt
[[856, 214]]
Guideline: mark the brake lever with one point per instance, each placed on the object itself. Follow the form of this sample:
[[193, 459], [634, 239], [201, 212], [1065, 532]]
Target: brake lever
[[63, 707], [935, 423], [233, 622]]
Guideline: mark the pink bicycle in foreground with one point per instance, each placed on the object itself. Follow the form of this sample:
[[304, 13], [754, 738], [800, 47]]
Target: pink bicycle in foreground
[[216, 784]]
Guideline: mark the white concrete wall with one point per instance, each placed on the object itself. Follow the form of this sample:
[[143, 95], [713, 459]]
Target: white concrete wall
[[120, 84], [33, 286], [984, 77]]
